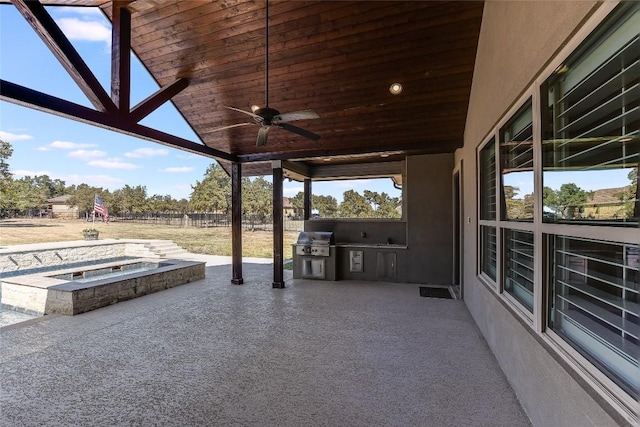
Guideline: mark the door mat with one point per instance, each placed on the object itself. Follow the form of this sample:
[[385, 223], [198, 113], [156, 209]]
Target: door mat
[[435, 292]]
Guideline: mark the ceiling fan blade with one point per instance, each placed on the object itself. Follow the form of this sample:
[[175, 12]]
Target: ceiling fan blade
[[295, 115], [263, 132], [299, 131], [231, 126], [248, 113]]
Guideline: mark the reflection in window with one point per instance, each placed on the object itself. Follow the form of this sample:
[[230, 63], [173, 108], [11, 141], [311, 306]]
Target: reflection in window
[[488, 181], [591, 135], [594, 303], [488, 251], [516, 156], [518, 266]]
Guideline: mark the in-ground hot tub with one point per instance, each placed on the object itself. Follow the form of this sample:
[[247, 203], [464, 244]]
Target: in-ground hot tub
[[72, 290], [110, 271]]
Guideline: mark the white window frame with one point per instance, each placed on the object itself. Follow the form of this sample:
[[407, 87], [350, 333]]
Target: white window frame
[[598, 380]]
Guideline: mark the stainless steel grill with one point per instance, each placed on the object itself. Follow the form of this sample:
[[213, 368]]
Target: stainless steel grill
[[314, 243]]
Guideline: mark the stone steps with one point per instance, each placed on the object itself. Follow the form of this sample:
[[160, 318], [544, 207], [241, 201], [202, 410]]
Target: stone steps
[[165, 249]]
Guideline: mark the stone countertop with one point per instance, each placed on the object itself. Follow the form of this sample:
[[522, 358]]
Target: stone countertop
[[371, 245]]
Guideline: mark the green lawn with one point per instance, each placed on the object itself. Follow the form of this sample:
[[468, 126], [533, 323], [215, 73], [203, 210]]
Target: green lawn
[[210, 241]]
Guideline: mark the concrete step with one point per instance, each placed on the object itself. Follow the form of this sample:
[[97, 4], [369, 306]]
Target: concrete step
[[165, 249]]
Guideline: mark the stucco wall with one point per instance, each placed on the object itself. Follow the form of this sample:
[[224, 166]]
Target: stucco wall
[[430, 218], [517, 40]]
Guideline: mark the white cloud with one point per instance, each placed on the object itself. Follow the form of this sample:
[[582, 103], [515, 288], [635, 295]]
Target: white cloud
[[73, 10], [86, 154], [23, 172], [9, 137], [93, 180], [177, 169], [65, 145], [76, 29], [147, 152], [188, 156], [75, 179], [112, 164]]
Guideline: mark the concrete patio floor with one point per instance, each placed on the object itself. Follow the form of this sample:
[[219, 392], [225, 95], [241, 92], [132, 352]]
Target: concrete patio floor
[[210, 353]]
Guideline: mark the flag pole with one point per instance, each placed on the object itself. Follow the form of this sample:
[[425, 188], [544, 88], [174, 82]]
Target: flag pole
[[94, 209]]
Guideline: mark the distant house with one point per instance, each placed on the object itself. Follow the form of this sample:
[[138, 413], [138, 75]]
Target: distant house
[[288, 210], [58, 207], [606, 204]]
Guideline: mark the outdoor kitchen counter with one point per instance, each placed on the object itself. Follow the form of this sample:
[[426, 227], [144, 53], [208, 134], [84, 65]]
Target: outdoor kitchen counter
[[372, 262], [371, 245]]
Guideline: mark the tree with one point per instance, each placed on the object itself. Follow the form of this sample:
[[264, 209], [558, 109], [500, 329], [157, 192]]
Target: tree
[[27, 194], [134, 199], [51, 187], [355, 205], [517, 208], [629, 196], [158, 203], [510, 192], [5, 175], [327, 206], [257, 197], [528, 206], [570, 200], [84, 197], [182, 205], [213, 193], [550, 200], [297, 202], [116, 204], [384, 206]]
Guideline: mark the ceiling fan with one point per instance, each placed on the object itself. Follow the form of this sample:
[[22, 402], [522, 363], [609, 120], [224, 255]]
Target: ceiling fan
[[267, 117]]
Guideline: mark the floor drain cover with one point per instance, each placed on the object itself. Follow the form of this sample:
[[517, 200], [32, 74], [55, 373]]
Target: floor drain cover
[[433, 292]]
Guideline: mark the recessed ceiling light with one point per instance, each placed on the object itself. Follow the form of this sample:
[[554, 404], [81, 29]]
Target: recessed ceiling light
[[395, 88]]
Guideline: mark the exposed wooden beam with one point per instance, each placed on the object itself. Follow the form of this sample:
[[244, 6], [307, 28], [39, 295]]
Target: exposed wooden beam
[[61, 47], [21, 95], [121, 56], [431, 147], [373, 169], [154, 101], [297, 171]]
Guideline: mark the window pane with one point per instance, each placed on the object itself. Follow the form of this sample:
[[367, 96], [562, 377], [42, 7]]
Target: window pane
[[488, 181], [516, 158], [488, 252], [518, 266], [591, 130], [594, 304]]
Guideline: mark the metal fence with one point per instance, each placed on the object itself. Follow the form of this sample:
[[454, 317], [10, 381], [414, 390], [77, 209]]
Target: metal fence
[[174, 219], [204, 220]]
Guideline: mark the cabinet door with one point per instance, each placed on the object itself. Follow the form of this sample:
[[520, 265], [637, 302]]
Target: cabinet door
[[386, 265]]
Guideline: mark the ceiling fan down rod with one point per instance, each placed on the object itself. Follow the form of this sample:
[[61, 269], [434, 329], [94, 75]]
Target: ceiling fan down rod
[[266, 56]]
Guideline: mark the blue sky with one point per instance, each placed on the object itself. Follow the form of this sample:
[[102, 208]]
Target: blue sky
[[78, 153]]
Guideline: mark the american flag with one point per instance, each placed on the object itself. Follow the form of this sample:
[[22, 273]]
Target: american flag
[[101, 209]]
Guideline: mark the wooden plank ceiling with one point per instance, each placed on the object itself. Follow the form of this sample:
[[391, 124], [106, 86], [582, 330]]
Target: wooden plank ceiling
[[337, 58]]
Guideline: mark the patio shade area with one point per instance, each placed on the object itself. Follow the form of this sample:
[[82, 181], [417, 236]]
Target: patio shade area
[[207, 353]]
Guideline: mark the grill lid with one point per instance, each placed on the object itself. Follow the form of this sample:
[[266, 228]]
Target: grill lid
[[318, 238]]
